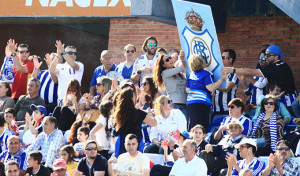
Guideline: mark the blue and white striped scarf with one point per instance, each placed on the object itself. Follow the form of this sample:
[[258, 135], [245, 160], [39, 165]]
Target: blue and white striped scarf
[[273, 128]]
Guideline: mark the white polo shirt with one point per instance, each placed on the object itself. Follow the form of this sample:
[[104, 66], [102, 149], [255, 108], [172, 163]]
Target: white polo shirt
[[195, 167]]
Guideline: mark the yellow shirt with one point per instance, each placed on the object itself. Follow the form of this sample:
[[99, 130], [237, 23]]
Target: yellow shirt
[[72, 166]]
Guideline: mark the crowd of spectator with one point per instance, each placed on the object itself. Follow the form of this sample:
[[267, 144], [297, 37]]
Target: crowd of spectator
[[146, 107]]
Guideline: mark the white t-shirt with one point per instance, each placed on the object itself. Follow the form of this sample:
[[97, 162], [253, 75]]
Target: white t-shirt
[[64, 74], [195, 167], [101, 136], [136, 164]]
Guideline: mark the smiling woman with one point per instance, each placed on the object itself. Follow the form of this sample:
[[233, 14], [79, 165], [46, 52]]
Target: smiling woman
[[5, 100]]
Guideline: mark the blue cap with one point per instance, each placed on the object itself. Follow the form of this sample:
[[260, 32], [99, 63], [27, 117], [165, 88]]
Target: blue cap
[[39, 107], [185, 134], [274, 49]]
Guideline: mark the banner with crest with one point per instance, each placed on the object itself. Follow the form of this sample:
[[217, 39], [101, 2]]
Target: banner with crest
[[197, 34]]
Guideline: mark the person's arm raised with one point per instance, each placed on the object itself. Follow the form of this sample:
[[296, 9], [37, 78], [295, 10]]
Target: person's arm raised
[[10, 48]]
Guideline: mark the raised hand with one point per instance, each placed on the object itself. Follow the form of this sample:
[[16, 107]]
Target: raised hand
[[231, 160], [60, 47], [36, 62], [49, 58], [11, 47]]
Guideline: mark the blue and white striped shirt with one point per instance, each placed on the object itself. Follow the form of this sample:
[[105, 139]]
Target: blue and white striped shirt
[[48, 90], [223, 98], [245, 121], [3, 140], [257, 89], [19, 157], [256, 166]]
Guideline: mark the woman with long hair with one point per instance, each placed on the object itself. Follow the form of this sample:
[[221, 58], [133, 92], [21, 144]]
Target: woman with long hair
[[168, 75], [72, 139], [73, 103], [102, 130], [268, 126], [5, 100], [128, 119]]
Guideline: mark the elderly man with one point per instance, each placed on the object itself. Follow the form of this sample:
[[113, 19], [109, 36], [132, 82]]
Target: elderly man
[[131, 163], [12, 168], [15, 153], [280, 163], [214, 156], [190, 164], [23, 104], [247, 148], [50, 141]]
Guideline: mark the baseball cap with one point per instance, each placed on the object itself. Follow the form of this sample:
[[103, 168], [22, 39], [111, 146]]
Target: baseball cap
[[59, 164], [185, 134], [235, 122], [274, 49], [39, 107], [246, 141]]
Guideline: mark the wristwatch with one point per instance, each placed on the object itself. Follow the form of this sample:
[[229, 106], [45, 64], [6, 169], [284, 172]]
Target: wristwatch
[[63, 53], [13, 54], [139, 72]]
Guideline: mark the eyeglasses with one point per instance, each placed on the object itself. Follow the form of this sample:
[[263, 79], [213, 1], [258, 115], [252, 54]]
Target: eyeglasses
[[128, 51], [72, 53], [234, 127], [99, 84], [21, 52], [283, 148], [262, 58], [150, 45], [269, 55], [231, 107], [243, 146], [225, 57], [168, 59], [91, 148], [169, 101], [268, 103], [144, 83]]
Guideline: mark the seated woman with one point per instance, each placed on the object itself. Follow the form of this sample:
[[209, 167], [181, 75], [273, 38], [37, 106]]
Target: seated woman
[[168, 120], [275, 91], [73, 103], [236, 108], [5, 100], [72, 138], [269, 125]]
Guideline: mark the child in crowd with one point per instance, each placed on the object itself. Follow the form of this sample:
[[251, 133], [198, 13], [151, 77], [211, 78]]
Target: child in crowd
[[34, 165], [82, 135], [10, 118], [67, 153], [4, 134], [198, 134], [35, 125]]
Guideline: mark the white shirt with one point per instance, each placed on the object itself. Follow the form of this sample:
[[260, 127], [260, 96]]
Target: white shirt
[[64, 74], [175, 121], [101, 136], [136, 164], [195, 167]]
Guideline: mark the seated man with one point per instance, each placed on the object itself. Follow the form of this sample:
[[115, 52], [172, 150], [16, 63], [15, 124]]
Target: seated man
[[131, 163], [4, 134], [93, 164], [12, 168], [280, 163], [214, 156], [50, 141], [35, 166], [190, 164], [60, 168], [247, 149], [15, 153]]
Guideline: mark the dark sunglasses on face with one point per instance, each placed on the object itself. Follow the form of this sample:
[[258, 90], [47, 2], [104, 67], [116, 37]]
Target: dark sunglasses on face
[[72, 53], [268, 103], [234, 127], [150, 45], [21, 52], [283, 148], [98, 84], [169, 101], [262, 58], [243, 146], [91, 148], [231, 106], [269, 55], [144, 83], [225, 57], [168, 59], [128, 51]]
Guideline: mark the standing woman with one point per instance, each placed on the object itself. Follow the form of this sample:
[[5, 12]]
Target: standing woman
[[5, 100], [199, 88], [73, 103], [128, 119], [172, 80]]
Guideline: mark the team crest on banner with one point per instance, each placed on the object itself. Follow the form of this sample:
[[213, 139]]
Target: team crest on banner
[[197, 34]]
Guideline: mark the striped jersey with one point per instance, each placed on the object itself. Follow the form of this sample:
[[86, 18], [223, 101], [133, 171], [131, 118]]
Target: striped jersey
[[256, 166], [257, 89], [222, 99], [48, 90], [3, 140]]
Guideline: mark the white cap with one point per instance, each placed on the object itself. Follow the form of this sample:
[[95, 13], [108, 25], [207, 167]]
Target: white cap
[[246, 141], [235, 122]]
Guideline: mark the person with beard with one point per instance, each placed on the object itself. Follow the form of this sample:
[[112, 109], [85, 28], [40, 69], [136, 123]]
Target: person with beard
[[93, 164], [125, 68], [280, 163], [144, 64], [276, 71]]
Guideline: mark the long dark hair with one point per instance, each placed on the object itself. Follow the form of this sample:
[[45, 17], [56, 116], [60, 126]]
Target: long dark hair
[[159, 68], [125, 108], [72, 139], [74, 86], [105, 109], [6, 84], [153, 90], [70, 150]]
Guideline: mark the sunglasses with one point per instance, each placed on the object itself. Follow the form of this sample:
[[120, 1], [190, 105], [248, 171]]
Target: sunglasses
[[150, 45], [169, 101], [168, 59], [283, 148], [91, 148], [98, 84], [225, 57], [269, 55], [231, 107], [72, 53], [262, 58], [243, 146], [268, 103], [144, 83], [128, 51], [234, 127], [23, 52]]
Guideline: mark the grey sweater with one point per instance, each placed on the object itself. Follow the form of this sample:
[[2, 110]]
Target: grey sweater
[[5, 102], [175, 85]]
